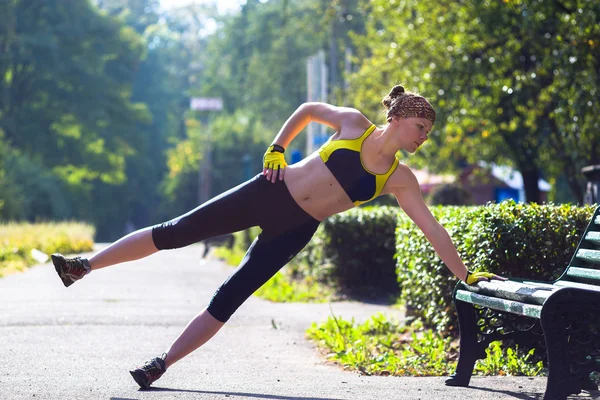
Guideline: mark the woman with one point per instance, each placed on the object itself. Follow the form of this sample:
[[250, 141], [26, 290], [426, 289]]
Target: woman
[[356, 165]]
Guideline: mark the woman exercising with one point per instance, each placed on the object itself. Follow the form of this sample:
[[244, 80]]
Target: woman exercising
[[356, 165]]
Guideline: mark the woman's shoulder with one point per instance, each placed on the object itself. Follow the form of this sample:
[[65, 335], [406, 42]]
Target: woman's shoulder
[[355, 120], [403, 177]]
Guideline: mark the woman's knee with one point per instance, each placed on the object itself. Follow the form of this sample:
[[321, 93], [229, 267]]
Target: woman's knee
[[221, 310], [165, 237], [179, 232], [230, 296]]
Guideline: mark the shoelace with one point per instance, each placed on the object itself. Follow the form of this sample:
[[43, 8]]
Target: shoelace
[[153, 368], [74, 264]]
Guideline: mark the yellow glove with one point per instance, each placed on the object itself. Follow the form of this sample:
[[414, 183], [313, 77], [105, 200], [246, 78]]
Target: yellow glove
[[274, 159], [474, 277]]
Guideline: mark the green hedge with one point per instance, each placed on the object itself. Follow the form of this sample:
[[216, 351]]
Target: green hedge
[[513, 240], [354, 253], [351, 252]]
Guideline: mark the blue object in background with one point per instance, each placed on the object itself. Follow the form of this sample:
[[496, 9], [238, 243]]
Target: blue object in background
[[247, 162], [296, 156], [506, 193], [319, 140]]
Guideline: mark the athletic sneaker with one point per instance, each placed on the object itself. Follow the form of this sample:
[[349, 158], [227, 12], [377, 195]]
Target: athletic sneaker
[[149, 372], [70, 269]]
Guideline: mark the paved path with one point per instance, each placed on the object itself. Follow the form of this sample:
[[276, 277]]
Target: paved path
[[79, 343]]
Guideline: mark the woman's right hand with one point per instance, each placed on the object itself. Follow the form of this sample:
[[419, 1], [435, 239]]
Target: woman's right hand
[[274, 163], [474, 277]]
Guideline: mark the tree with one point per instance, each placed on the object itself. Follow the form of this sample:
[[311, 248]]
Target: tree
[[161, 83], [65, 102], [507, 77]]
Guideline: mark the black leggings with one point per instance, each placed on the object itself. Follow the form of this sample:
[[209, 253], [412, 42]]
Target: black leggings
[[286, 229]]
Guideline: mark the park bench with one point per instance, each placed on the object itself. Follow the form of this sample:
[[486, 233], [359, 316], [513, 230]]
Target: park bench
[[564, 315]]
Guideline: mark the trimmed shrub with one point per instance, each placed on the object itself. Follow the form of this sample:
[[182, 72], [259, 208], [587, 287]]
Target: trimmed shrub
[[354, 252], [527, 241]]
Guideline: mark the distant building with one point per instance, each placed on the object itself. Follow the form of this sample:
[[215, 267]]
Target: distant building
[[428, 181], [485, 182]]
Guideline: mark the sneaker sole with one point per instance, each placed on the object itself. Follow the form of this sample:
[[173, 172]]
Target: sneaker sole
[[138, 377]]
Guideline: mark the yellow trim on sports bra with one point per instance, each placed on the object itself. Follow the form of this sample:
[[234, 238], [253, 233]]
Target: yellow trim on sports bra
[[356, 145]]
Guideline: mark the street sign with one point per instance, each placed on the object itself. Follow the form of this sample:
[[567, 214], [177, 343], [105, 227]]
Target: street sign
[[206, 104]]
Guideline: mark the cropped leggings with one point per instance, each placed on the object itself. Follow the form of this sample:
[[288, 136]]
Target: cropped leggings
[[286, 229]]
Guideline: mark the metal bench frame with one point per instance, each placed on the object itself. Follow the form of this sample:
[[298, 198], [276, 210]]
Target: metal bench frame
[[564, 314]]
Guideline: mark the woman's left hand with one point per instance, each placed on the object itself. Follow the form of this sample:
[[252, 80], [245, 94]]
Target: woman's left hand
[[274, 164]]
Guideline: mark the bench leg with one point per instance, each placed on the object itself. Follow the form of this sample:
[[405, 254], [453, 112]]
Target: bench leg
[[470, 349], [559, 384]]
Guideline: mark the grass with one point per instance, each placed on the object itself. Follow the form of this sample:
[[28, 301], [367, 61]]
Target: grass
[[230, 256], [383, 347], [280, 288], [24, 244]]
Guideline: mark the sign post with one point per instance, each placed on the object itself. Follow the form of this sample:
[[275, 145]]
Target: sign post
[[316, 73], [205, 172]]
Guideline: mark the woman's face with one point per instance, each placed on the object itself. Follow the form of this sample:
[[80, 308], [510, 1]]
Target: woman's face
[[412, 131]]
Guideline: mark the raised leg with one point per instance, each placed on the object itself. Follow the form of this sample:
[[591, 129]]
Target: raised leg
[[231, 211], [136, 245]]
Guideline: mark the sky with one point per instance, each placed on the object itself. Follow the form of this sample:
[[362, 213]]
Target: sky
[[223, 5]]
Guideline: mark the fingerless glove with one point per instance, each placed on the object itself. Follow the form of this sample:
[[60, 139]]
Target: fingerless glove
[[473, 277], [273, 158]]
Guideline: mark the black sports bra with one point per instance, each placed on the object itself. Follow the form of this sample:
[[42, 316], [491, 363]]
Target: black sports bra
[[343, 158]]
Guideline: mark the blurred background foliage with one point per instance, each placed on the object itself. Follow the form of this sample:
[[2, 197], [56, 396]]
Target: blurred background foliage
[[95, 119]]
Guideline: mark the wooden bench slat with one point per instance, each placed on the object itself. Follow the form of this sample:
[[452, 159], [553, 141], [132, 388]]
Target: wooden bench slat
[[593, 237], [515, 307], [584, 273], [589, 255], [578, 285], [513, 290], [536, 283]]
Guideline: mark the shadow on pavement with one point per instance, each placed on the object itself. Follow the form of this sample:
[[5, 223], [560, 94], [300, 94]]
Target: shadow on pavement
[[595, 394], [255, 395], [524, 396]]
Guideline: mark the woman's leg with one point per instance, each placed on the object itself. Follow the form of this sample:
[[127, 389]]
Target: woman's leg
[[229, 212], [203, 327], [267, 255], [286, 230], [136, 245]]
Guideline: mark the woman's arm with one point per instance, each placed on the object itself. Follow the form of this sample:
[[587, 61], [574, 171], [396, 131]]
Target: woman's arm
[[322, 113], [411, 200]]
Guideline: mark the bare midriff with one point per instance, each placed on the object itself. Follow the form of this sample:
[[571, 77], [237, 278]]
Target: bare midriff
[[315, 189]]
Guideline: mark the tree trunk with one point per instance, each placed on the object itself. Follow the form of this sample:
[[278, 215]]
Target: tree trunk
[[531, 176]]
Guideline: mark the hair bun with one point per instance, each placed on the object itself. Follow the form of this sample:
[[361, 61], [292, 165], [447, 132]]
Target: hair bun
[[396, 91]]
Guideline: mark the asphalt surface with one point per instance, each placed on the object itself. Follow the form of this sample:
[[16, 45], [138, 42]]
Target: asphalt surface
[[80, 342]]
